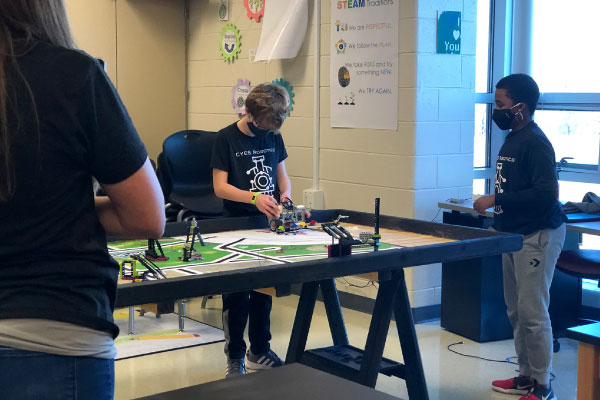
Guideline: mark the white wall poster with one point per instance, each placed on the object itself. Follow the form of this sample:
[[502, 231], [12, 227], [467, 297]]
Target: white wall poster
[[364, 64]]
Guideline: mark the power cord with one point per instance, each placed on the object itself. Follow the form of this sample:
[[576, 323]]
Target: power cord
[[506, 360], [348, 284], [436, 214]]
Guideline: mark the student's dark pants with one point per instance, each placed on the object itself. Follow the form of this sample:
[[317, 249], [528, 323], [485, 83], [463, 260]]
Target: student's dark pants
[[237, 309]]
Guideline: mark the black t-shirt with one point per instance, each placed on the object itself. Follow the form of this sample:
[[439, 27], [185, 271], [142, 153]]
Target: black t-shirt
[[54, 262], [526, 186], [251, 164]]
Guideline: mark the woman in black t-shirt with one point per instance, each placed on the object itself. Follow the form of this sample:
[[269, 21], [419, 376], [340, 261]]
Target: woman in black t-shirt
[[62, 123]]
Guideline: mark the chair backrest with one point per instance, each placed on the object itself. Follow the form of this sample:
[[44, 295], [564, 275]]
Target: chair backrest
[[163, 175], [187, 155]]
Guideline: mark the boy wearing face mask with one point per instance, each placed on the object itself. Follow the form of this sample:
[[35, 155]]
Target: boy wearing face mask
[[525, 201], [248, 166]]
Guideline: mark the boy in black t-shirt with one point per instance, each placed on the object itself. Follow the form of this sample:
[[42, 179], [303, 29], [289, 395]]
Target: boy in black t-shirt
[[525, 201], [248, 166]]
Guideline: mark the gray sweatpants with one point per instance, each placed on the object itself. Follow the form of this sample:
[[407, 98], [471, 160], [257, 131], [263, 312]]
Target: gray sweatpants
[[527, 278]]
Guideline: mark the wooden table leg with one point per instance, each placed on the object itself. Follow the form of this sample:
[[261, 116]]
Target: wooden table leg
[[304, 314], [333, 310], [415, 376], [588, 372]]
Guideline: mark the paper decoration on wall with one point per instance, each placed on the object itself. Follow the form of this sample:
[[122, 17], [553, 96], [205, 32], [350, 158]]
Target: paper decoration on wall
[[238, 95], [284, 28], [363, 68], [288, 87], [448, 32], [256, 9], [224, 10], [230, 44]]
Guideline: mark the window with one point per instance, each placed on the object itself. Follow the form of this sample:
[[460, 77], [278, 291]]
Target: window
[[574, 191], [480, 148], [573, 134], [563, 56], [481, 144], [566, 70], [564, 66], [482, 58], [479, 186]]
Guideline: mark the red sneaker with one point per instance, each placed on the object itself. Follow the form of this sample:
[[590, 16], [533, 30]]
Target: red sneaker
[[518, 385], [539, 392]]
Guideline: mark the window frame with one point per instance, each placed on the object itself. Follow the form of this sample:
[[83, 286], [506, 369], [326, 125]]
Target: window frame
[[499, 65]]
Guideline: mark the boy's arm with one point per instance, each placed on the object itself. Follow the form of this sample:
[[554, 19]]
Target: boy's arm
[[285, 186], [265, 204]]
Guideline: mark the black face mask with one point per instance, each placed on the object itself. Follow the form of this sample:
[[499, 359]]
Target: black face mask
[[503, 117], [258, 131]]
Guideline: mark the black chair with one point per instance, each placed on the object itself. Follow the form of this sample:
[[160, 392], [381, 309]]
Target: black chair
[[186, 177], [581, 264]]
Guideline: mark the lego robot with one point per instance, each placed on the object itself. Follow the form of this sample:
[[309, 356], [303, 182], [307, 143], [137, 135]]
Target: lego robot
[[291, 218]]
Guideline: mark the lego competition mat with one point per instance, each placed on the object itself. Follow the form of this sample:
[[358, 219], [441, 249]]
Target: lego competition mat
[[248, 248]]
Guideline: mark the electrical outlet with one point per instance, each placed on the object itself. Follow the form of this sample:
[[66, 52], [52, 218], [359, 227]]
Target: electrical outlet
[[313, 199]]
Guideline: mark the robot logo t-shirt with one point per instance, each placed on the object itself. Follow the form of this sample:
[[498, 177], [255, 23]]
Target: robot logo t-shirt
[[250, 162], [261, 176]]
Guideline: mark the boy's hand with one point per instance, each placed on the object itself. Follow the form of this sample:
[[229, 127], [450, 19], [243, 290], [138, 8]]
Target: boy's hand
[[483, 203], [267, 205]]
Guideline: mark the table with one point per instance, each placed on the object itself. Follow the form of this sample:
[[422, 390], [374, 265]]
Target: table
[[296, 382], [437, 243], [590, 228], [472, 294], [588, 360], [230, 250]]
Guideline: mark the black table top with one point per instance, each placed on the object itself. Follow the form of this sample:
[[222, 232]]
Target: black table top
[[589, 334], [290, 382]]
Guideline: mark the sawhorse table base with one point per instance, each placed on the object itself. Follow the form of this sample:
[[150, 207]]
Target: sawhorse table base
[[349, 362]]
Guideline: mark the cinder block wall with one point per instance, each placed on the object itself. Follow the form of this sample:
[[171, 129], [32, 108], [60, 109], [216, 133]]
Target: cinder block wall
[[143, 44], [443, 121], [429, 156]]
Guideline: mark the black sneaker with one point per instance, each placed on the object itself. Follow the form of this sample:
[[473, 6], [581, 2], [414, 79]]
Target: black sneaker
[[518, 385], [235, 367], [539, 392], [263, 360]]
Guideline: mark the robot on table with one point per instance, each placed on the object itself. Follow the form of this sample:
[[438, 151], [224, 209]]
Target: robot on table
[[291, 218]]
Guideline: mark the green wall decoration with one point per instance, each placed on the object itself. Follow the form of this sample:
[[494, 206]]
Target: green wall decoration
[[230, 42]]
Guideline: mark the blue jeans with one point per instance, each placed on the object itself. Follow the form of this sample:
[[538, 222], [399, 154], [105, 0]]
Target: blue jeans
[[30, 375]]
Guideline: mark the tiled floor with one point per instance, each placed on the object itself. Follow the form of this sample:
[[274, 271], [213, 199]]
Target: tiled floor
[[449, 376]]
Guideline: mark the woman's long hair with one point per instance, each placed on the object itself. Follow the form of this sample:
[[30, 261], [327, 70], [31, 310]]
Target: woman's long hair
[[29, 21]]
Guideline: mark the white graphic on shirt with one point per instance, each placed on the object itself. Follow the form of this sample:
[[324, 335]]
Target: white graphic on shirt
[[261, 178], [498, 186]]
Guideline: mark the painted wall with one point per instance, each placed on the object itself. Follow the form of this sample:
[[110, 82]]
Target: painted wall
[[428, 158], [143, 44]]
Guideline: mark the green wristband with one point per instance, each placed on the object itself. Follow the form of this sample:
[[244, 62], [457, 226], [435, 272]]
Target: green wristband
[[254, 197]]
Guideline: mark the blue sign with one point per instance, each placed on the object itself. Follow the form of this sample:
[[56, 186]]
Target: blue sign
[[448, 32]]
